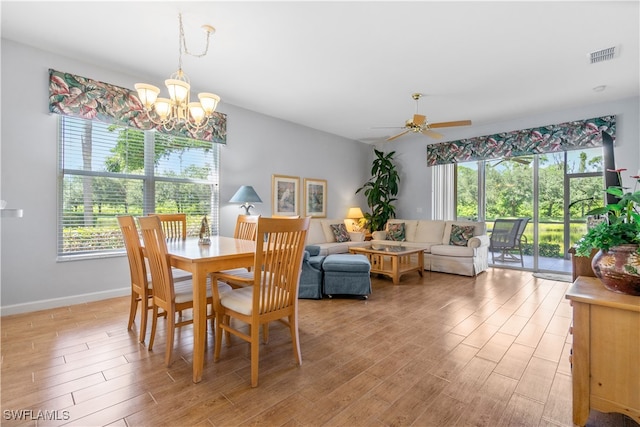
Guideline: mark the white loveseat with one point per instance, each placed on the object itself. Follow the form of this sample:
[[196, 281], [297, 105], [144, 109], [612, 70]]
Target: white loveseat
[[440, 255]]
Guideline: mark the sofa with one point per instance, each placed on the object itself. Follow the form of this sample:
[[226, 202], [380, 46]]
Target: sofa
[[467, 253], [458, 247], [322, 233]]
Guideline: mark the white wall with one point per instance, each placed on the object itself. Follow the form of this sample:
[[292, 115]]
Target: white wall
[[414, 199], [257, 147]]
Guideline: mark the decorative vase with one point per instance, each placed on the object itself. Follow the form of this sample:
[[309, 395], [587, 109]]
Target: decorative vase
[[619, 269]]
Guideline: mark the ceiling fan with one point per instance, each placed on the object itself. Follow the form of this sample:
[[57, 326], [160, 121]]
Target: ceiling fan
[[419, 124]]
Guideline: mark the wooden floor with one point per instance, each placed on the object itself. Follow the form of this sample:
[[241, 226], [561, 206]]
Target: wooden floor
[[443, 350]]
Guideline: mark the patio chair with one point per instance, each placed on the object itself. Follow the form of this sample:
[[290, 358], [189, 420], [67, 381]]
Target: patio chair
[[506, 238]]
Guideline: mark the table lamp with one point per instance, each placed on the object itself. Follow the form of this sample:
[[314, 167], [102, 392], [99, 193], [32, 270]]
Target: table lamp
[[356, 215], [246, 195]]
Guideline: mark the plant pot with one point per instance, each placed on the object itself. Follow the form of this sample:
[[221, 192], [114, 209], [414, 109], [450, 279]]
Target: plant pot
[[619, 269]]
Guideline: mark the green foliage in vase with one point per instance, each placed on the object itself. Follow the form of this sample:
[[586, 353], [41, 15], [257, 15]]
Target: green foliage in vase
[[622, 225]]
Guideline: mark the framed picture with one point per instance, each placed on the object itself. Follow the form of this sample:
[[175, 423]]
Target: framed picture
[[284, 195], [315, 197]]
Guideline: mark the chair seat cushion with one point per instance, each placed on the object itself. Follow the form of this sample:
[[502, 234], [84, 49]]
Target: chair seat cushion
[[184, 290], [241, 273], [346, 263], [240, 300]]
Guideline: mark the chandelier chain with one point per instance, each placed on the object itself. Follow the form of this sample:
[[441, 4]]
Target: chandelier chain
[[183, 44]]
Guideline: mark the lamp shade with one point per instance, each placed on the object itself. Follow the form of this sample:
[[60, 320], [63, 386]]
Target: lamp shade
[[245, 194], [355, 213]]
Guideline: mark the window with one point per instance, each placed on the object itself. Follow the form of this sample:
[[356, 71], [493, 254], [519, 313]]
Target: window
[[107, 170]]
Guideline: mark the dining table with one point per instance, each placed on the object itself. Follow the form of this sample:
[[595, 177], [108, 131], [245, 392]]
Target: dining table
[[222, 253]]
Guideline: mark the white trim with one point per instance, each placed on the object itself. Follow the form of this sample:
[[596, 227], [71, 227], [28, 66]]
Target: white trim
[[62, 302]]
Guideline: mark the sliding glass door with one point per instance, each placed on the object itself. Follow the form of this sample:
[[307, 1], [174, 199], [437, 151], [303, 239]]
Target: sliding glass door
[[551, 192]]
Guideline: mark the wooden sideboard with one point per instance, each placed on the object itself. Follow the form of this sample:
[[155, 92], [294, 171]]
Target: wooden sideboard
[[606, 350], [581, 265]]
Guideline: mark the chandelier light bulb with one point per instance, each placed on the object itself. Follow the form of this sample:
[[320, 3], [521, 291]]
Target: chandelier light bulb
[[147, 94], [209, 102], [196, 112], [162, 108], [178, 90]]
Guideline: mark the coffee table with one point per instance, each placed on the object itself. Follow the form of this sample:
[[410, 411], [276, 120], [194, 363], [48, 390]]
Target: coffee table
[[392, 260]]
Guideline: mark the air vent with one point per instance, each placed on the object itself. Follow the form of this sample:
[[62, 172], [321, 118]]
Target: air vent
[[603, 55]]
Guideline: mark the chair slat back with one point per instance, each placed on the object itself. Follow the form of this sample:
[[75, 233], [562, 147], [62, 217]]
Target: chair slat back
[[157, 256], [505, 233], [521, 228], [174, 225], [279, 252], [137, 266], [246, 227]]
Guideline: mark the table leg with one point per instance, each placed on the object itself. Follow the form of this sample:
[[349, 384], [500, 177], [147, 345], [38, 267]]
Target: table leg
[[395, 270], [421, 263], [199, 322]]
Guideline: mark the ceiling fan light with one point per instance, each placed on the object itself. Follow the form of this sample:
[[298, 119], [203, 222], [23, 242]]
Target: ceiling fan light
[[163, 107], [196, 112], [147, 94], [178, 90], [209, 102]]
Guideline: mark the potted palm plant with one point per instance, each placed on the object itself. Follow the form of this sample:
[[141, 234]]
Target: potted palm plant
[[381, 190], [617, 263]]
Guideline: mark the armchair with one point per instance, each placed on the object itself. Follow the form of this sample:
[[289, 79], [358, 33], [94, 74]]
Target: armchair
[[311, 276]]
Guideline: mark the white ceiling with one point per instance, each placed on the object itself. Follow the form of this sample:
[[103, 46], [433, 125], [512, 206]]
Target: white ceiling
[[345, 67]]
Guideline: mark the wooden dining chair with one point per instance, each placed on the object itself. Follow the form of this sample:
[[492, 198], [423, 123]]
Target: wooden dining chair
[[246, 227], [140, 287], [174, 225], [274, 291], [166, 295]]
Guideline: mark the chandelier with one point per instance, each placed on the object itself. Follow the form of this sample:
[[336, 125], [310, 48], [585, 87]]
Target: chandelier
[[178, 108]]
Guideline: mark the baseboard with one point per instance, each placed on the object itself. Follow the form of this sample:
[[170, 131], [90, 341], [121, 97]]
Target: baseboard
[[62, 302]]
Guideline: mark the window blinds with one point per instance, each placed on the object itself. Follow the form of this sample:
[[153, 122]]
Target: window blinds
[[108, 170]]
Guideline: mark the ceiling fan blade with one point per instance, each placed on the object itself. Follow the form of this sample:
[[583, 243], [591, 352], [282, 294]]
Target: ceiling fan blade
[[391, 138], [419, 119], [432, 134], [450, 124], [388, 127]]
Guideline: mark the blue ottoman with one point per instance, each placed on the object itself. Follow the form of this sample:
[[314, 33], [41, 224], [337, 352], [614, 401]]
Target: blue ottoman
[[346, 275]]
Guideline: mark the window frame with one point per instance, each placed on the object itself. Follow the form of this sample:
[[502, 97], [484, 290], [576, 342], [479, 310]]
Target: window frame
[[149, 179]]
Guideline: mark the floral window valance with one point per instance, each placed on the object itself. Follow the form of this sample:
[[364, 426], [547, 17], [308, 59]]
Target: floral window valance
[[78, 96], [546, 139]]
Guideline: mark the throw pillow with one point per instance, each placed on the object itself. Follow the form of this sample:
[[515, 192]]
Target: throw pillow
[[396, 232], [460, 234], [340, 232]]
